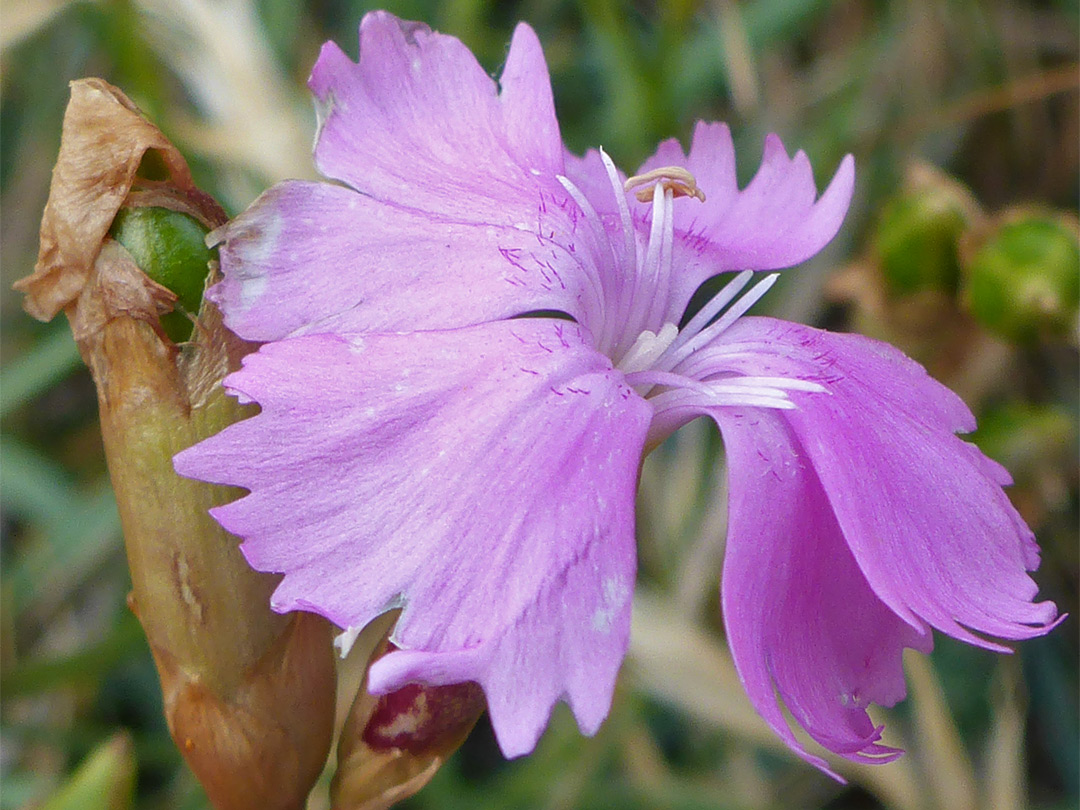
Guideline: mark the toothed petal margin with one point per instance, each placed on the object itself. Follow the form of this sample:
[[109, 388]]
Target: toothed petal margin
[[482, 479], [802, 622]]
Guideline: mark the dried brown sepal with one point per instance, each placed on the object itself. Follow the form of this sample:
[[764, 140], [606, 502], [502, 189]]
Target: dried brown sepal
[[104, 140], [249, 694], [392, 745]]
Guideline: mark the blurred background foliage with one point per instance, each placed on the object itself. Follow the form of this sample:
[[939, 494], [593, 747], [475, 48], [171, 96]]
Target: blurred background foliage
[[961, 247]]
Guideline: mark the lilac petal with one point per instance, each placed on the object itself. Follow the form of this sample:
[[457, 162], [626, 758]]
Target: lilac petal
[[458, 219], [801, 620], [482, 479], [532, 131], [922, 511], [419, 124], [774, 222], [312, 257]]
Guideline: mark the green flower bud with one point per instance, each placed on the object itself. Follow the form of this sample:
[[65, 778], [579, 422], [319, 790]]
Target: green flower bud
[[1023, 282], [170, 248], [916, 241]]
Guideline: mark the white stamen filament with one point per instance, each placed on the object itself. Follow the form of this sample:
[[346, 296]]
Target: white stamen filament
[[582, 201], [678, 353], [599, 233], [773, 388], [690, 398], [784, 383], [712, 307], [643, 301], [663, 274], [624, 210], [648, 288]]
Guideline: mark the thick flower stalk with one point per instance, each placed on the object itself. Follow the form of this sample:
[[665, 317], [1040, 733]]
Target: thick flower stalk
[[423, 446], [242, 687]]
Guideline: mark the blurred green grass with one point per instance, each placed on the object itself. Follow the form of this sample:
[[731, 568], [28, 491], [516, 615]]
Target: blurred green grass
[[986, 91]]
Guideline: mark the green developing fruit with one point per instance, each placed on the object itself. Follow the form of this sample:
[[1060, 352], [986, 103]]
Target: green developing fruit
[[1024, 281], [916, 242], [170, 248]]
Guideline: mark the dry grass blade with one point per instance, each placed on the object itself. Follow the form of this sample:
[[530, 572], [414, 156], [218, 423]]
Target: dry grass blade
[[255, 117], [949, 773], [738, 58], [1005, 787], [683, 665], [23, 18]]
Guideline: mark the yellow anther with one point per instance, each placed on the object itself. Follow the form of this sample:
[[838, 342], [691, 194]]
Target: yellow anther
[[675, 179]]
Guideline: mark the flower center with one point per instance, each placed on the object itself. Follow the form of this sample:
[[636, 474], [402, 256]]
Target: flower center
[[678, 370], [635, 288]]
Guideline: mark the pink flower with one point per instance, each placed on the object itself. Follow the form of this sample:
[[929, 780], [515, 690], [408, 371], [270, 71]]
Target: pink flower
[[423, 446]]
